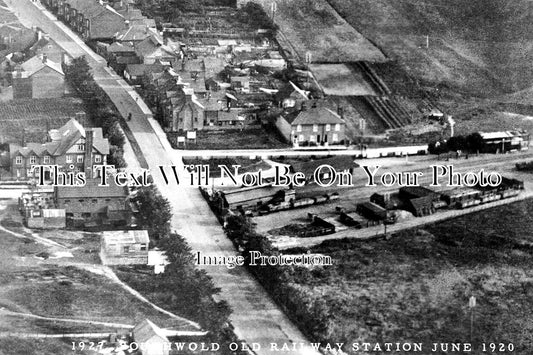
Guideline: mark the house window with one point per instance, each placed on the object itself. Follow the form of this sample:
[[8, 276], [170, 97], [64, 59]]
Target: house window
[[97, 158], [79, 159], [28, 172], [143, 247], [86, 215], [299, 128], [67, 201], [335, 137], [33, 159], [126, 249], [328, 127], [81, 147], [301, 138], [312, 138], [46, 159], [18, 160], [69, 158], [315, 128], [338, 127], [94, 200]]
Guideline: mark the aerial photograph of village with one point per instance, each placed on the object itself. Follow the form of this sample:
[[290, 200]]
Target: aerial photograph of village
[[258, 177]]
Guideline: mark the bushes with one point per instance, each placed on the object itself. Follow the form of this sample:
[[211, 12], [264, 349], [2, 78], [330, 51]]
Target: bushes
[[472, 143], [183, 287]]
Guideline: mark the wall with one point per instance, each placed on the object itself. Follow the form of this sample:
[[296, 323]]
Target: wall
[[48, 83]]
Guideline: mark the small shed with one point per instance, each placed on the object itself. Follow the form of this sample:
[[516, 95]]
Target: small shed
[[124, 247], [151, 339]]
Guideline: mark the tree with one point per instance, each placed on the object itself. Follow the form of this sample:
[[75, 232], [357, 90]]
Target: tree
[[154, 213], [78, 73], [115, 135], [116, 157], [254, 15], [475, 142]]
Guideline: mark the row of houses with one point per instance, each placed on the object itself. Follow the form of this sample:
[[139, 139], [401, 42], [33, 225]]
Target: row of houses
[[73, 147], [218, 88], [92, 19]]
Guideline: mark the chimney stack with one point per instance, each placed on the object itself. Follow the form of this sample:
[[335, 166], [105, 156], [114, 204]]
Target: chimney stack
[[88, 160], [45, 58]]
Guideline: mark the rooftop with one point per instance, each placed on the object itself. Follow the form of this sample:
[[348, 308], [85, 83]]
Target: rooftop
[[91, 190], [126, 237]]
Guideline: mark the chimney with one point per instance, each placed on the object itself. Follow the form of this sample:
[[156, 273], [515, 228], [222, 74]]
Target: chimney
[[39, 34], [45, 58], [303, 107], [88, 160], [188, 94], [340, 112]]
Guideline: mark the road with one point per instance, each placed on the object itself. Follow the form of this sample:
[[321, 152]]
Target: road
[[256, 318]]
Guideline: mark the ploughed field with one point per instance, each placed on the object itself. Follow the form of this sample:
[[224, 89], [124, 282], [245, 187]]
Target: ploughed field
[[483, 47], [415, 287]]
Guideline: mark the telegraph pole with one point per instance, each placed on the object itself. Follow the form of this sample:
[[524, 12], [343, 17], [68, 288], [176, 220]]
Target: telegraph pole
[[472, 305]]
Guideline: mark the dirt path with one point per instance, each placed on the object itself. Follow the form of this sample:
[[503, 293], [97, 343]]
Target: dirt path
[[108, 272], [4, 311]]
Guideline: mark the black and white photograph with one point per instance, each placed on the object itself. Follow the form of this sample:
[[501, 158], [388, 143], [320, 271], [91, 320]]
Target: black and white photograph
[[266, 177]]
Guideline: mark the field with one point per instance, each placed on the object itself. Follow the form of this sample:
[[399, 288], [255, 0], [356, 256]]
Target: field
[[35, 284], [415, 286], [476, 45], [312, 26]]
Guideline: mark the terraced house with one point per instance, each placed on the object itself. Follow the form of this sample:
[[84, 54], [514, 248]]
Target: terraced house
[[72, 147], [93, 20]]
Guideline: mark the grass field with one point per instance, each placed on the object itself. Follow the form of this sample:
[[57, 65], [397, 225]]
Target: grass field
[[58, 289], [415, 287], [477, 46], [312, 26]]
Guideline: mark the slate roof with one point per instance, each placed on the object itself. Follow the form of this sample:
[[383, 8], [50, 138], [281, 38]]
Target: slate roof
[[120, 48], [91, 190], [141, 69], [228, 116], [150, 45], [35, 64], [62, 139], [126, 237], [133, 33], [109, 20], [317, 115]]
